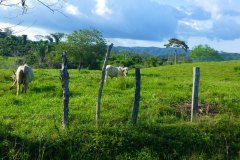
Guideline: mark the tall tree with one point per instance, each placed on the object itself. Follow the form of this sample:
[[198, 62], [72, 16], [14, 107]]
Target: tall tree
[[204, 53], [57, 36], [176, 43], [41, 49], [5, 32], [49, 38], [88, 47]]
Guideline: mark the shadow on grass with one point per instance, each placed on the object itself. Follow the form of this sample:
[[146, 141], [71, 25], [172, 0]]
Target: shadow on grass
[[44, 89], [150, 75], [126, 141], [15, 147]]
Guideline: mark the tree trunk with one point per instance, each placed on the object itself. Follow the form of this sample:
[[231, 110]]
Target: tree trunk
[[101, 84], [65, 81], [79, 66]]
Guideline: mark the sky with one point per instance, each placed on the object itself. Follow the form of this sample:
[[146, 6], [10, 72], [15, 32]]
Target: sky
[[146, 23]]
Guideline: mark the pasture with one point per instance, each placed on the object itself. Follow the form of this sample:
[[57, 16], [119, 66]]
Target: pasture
[[30, 124]]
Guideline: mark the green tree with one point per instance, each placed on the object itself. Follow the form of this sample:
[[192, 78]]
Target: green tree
[[12, 45], [176, 43], [5, 32], [88, 47], [8, 31], [57, 36], [42, 49], [204, 53], [49, 38]]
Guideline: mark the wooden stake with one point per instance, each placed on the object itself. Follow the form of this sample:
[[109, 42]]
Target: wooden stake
[[195, 89], [137, 96], [101, 84], [64, 79]]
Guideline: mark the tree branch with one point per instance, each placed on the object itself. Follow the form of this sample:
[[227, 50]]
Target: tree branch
[[46, 5]]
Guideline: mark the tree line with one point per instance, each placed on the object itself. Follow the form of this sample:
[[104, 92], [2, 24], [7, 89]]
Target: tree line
[[86, 48]]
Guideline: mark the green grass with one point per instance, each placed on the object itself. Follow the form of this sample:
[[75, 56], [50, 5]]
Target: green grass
[[30, 124]]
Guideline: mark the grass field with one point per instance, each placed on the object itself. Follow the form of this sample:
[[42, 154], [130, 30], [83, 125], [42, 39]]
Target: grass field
[[30, 124]]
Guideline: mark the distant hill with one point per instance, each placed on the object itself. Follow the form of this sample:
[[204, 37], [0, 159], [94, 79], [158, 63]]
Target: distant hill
[[149, 50], [230, 56], [163, 51]]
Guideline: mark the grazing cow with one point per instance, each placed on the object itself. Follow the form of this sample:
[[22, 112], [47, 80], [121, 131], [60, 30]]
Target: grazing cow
[[112, 71], [23, 75]]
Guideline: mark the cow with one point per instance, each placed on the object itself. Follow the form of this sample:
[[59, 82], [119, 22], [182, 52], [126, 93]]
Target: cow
[[23, 75], [113, 71]]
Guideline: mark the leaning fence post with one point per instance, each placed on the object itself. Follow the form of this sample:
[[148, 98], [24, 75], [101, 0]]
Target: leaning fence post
[[64, 80], [195, 89], [101, 84], [137, 96]]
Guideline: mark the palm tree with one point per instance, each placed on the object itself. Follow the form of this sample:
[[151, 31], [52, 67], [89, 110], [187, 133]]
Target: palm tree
[[57, 36]]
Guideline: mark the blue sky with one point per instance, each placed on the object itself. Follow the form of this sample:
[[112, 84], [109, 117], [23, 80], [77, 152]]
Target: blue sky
[[134, 22]]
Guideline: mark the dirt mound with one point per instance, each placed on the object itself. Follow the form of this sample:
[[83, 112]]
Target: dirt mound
[[184, 109]]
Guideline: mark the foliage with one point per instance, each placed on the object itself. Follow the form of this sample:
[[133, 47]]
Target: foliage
[[133, 60], [58, 36], [89, 47], [30, 124], [204, 53], [14, 46], [176, 43], [86, 48]]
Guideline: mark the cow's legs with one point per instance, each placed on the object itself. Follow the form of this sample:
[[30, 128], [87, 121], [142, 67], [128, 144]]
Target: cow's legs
[[13, 84], [25, 87], [105, 79], [18, 88]]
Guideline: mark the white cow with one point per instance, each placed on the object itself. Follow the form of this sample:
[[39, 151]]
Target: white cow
[[113, 71], [23, 75]]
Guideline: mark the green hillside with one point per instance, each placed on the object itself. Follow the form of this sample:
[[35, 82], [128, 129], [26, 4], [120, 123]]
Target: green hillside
[[30, 124]]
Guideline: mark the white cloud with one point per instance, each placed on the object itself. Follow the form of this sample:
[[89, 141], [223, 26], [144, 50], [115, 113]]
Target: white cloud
[[71, 9], [135, 19], [101, 8], [181, 9], [30, 31], [10, 5], [171, 2], [197, 24], [214, 7]]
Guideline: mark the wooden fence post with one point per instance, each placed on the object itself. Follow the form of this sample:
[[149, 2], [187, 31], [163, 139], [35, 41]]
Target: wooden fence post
[[64, 79], [195, 89], [137, 96], [101, 84]]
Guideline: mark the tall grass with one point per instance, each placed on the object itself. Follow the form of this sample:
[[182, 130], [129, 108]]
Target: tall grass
[[30, 124]]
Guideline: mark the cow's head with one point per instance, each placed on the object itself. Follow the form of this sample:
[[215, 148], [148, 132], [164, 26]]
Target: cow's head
[[125, 71], [13, 76]]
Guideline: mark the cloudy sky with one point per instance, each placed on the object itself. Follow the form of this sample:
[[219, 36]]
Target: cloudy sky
[[133, 22]]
